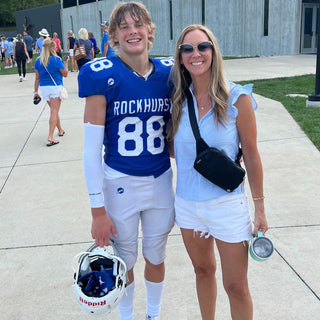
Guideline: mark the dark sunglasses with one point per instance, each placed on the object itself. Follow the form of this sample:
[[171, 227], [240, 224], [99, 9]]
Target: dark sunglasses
[[187, 48]]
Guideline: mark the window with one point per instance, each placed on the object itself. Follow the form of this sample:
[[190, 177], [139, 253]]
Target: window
[[266, 18], [170, 13], [69, 3], [85, 1]]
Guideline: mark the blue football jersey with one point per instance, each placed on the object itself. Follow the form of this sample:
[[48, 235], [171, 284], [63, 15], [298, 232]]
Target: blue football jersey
[[137, 115]]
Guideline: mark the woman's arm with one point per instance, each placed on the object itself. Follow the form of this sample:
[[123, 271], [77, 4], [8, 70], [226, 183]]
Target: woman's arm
[[92, 50], [64, 72], [25, 50], [36, 83], [246, 124]]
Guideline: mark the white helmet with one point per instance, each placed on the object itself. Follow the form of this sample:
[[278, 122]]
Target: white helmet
[[99, 280]]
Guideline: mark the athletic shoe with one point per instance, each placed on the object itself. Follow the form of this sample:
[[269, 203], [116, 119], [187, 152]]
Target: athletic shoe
[[20, 79], [152, 318], [24, 79]]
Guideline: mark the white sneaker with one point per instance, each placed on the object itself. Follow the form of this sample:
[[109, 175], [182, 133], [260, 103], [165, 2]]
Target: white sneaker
[[20, 79], [152, 318], [24, 79]]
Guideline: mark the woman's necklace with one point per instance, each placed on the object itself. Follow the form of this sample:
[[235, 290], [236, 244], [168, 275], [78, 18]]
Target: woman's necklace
[[205, 105], [204, 101]]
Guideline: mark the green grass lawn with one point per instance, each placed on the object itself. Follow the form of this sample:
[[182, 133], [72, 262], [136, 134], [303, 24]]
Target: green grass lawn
[[277, 89], [14, 70]]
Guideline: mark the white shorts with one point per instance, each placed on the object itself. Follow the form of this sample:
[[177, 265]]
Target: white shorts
[[50, 92], [129, 199], [226, 218], [71, 52]]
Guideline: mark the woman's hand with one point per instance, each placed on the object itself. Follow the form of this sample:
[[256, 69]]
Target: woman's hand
[[260, 220]]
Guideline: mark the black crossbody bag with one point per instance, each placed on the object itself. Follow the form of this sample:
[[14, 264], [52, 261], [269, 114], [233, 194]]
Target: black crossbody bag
[[212, 163]]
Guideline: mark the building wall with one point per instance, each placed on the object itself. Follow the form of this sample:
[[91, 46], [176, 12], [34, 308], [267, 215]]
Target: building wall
[[237, 24], [36, 19], [284, 28]]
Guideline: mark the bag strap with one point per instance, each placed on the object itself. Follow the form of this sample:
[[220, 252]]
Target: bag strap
[[51, 76], [201, 144]]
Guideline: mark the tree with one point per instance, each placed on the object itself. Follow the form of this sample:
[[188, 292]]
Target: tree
[[8, 9]]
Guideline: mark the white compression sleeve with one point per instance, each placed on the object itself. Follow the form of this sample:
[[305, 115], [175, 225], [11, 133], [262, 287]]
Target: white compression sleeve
[[92, 163]]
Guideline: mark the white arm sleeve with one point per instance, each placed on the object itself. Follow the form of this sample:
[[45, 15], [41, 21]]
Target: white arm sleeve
[[92, 163]]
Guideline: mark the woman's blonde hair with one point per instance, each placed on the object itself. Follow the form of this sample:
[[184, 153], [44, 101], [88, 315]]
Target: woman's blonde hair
[[138, 13], [71, 34], [48, 50], [218, 87], [55, 35], [83, 34], [19, 37]]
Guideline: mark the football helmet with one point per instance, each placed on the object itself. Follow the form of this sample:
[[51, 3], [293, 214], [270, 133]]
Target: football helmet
[[99, 279]]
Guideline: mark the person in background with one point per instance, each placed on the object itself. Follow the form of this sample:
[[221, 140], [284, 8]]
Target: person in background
[[58, 44], [44, 34], [28, 40], [206, 213], [96, 50], [10, 50], [135, 181], [21, 55], [106, 49], [70, 45], [48, 66], [84, 40], [2, 37], [7, 53]]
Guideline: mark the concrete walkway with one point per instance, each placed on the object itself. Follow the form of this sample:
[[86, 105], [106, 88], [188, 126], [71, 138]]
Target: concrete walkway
[[45, 215]]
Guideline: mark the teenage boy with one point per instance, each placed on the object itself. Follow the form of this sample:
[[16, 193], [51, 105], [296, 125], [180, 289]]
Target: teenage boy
[[127, 112]]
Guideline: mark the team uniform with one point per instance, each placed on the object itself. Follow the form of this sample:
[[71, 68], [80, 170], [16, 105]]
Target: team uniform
[[137, 174]]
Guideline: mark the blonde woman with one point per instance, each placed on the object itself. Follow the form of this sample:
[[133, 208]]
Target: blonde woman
[[70, 45], [49, 70], [205, 213], [84, 40]]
